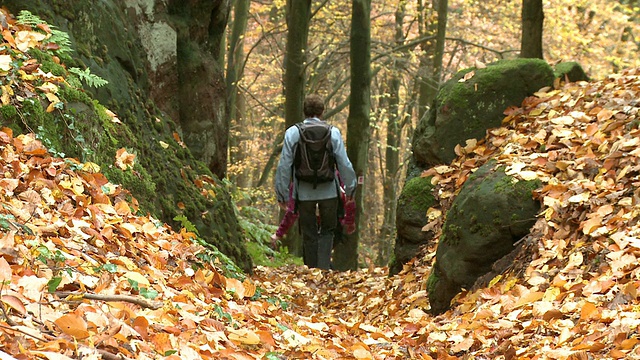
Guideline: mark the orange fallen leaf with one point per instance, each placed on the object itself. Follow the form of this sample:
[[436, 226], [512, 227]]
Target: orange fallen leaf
[[73, 325]]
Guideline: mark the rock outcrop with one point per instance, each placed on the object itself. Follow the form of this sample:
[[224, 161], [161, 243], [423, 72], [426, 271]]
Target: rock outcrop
[[166, 87]]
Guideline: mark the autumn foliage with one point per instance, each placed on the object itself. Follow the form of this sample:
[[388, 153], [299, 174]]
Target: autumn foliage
[[84, 274]]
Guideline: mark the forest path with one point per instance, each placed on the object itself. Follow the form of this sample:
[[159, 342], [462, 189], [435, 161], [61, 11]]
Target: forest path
[[363, 312]]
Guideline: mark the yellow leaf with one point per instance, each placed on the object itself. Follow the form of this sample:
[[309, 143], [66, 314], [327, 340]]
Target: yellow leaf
[[495, 280], [528, 175], [551, 294], [537, 111], [26, 77], [244, 336], [604, 114], [137, 277], [433, 213], [7, 92], [91, 167], [48, 88], [591, 225], [529, 298], [163, 144], [294, 339], [26, 39]]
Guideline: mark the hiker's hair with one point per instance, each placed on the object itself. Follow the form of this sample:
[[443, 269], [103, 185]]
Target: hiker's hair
[[313, 106]]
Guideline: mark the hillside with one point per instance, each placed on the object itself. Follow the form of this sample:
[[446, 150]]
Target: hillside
[[84, 274]]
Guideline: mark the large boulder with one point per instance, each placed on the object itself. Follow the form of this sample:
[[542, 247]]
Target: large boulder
[[473, 101], [492, 211]]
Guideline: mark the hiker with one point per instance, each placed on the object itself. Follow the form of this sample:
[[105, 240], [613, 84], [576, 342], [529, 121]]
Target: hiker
[[314, 193], [346, 216]]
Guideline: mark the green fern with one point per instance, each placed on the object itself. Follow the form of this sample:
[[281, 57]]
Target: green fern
[[58, 37], [27, 18], [61, 38], [86, 75]]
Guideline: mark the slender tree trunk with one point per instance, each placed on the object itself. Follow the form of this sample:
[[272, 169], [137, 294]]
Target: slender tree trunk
[[298, 17], [385, 240], [235, 103], [346, 254], [532, 24], [431, 61], [441, 34]]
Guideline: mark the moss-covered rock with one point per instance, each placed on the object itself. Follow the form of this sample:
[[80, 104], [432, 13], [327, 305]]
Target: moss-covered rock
[[473, 101], [414, 201], [571, 71], [491, 212]]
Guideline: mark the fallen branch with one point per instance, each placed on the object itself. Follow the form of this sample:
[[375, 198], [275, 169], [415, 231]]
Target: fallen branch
[[109, 356], [126, 298]]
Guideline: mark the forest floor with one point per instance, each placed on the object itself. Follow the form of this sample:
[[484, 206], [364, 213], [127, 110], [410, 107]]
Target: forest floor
[[83, 276]]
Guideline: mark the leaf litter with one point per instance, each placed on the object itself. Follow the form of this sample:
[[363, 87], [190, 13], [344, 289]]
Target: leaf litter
[[84, 276]]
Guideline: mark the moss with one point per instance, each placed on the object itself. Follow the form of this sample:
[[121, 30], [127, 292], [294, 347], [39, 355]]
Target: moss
[[8, 115], [450, 234], [47, 64], [417, 194], [69, 94], [432, 282]]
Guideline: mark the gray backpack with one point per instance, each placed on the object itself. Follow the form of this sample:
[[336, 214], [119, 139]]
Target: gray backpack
[[314, 161]]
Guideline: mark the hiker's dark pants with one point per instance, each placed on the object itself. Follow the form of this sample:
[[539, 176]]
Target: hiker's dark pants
[[317, 234]]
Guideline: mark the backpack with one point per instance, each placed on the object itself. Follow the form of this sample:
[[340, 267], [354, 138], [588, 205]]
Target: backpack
[[314, 161]]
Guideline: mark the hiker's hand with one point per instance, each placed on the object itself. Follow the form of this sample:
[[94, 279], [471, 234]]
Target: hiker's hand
[[283, 205], [275, 239]]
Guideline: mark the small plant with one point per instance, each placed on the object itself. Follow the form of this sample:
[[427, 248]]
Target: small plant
[[143, 291], [56, 262], [90, 79]]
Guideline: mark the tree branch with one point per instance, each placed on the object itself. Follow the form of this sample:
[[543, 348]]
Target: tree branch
[[125, 298]]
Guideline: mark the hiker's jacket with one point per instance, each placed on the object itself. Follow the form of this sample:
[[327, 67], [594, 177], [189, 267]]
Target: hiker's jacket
[[304, 190]]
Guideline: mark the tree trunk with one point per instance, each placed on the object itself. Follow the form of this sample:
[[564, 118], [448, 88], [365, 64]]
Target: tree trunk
[[202, 110], [431, 61], [235, 103], [298, 16], [385, 240], [532, 22], [442, 9], [346, 254]]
